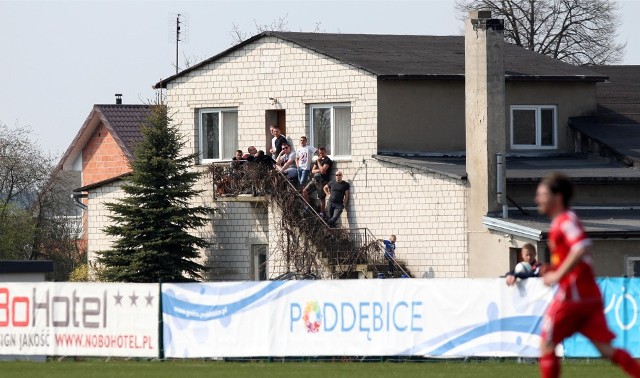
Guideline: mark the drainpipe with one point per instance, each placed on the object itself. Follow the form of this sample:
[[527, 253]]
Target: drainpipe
[[501, 186], [76, 198]]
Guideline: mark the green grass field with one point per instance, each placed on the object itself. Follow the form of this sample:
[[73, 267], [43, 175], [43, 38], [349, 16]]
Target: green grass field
[[192, 368]]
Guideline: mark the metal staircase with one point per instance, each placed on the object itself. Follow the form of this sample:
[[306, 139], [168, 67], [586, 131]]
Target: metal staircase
[[309, 247]]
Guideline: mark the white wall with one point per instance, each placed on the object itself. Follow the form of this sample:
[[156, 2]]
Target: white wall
[[425, 211]]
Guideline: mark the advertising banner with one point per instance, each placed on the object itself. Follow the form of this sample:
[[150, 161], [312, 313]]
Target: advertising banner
[[621, 298], [435, 317], [79, 319]]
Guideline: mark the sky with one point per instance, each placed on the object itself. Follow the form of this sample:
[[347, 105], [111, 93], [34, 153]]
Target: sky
[[59, 58]]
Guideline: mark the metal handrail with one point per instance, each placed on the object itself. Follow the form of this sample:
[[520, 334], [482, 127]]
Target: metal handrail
[[348, 247]]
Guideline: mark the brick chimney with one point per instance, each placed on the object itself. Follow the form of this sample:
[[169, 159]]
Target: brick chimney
[[485, 129]]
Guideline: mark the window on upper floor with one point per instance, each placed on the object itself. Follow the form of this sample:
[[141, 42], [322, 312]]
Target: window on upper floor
[[633, 266], [330, 126], [534, 127], [218, 134]]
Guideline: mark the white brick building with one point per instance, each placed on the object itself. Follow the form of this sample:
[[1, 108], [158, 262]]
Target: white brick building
[[390, 110], [386, 198]]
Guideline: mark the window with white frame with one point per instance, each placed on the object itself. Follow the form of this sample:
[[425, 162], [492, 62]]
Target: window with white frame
[[330, 126], [534, 127], [218, 133]]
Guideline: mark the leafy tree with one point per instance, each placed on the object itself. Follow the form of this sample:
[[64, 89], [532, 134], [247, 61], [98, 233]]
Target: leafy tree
[[16, 233], [24, 168], [574, 31], [38, 220], [153, 220]]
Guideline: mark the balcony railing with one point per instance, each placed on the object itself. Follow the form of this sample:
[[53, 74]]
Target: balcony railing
[[307, 246]]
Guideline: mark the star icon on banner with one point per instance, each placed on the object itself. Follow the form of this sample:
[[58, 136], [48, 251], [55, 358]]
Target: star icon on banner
[[133, 298], [118, 298], [149, 299]]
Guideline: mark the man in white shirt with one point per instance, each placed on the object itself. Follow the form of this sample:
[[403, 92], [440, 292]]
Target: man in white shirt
[[304, 160]]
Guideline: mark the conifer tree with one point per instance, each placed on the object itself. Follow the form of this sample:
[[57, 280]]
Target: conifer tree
[[154, 220]]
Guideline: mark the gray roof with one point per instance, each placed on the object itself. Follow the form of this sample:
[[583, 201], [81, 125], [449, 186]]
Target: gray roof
[[416, 57], [525, 169], [599, 224], [617, 123], [619, 96], [124, 121], [622, 138]]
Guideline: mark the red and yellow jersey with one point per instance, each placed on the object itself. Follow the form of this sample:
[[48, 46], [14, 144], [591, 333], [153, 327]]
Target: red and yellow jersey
[[566, 235]]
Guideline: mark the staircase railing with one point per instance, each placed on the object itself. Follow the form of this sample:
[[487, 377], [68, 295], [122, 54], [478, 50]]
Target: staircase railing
[[310, 248]]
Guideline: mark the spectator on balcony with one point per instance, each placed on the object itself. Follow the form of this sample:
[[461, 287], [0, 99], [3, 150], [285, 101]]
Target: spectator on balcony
[[277, 141], [264, 159], [338, 192], [237, 162], [321, 176], [251, 154], [286, 161], [304, 160]]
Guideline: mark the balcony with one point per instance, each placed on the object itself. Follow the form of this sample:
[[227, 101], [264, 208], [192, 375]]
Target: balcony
[[304, 245]]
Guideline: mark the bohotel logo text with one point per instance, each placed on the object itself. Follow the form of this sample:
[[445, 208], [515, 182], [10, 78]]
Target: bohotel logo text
[[72, 319]]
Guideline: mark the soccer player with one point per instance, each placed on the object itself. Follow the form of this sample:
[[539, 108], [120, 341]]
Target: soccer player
[[577, 305]]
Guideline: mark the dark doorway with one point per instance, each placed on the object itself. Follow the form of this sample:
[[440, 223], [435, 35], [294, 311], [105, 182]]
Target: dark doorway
[[277, 118]]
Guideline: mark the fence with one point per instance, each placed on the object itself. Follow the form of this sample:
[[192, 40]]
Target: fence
[[419, 317]]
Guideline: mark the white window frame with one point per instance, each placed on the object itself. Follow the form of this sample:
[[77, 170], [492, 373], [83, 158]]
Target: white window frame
[[628, 263], [201, 132], [538, 112], [332, 106]]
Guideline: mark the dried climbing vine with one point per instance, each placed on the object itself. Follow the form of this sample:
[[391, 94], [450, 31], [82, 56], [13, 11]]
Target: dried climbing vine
[[305, 247]]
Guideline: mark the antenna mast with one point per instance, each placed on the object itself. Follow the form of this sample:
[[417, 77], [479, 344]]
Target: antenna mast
[[177, 38], [178, 32]]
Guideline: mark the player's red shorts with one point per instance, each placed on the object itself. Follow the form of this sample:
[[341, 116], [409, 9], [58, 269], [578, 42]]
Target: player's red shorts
[[563, 319]]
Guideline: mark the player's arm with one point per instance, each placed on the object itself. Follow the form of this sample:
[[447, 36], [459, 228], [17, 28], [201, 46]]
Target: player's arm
[[573, 258]]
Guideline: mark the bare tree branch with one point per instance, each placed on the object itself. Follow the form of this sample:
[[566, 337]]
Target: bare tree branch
[[574, 31]]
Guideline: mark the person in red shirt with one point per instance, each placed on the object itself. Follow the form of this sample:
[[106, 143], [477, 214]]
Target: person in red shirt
[[577, 305]]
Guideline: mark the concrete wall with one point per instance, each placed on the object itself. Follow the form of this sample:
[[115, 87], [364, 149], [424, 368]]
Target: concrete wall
[[609, 256], [571, 99], [428, 115], [421, 115], [485, 133], [586, 194]]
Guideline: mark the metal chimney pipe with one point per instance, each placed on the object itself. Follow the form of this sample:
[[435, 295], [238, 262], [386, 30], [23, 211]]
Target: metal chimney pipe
[[501, 187], [118, 98]]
